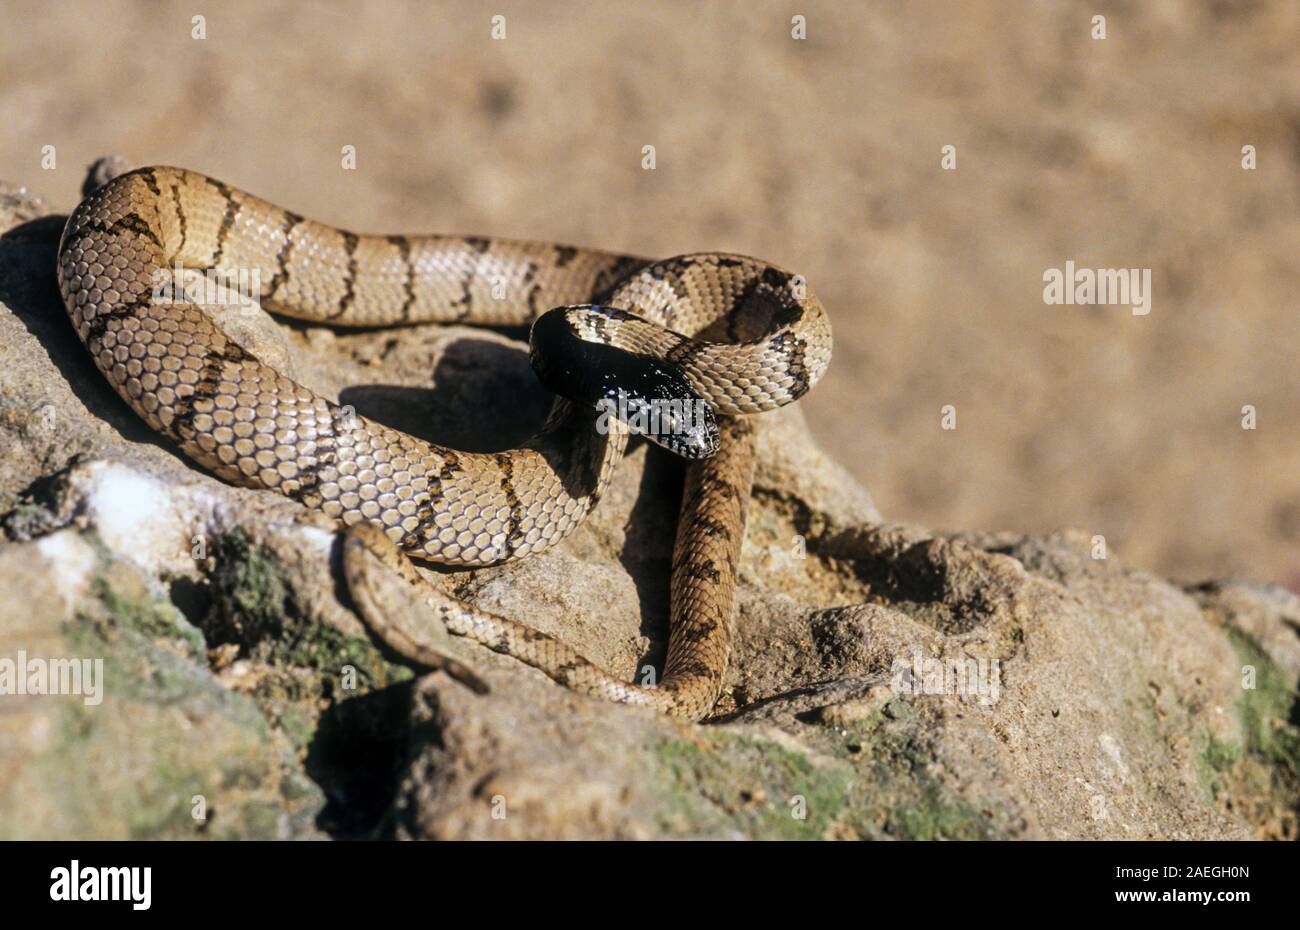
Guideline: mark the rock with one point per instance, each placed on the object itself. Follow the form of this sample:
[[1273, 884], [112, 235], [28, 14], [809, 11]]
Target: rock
[[886, 682], [155, 746]]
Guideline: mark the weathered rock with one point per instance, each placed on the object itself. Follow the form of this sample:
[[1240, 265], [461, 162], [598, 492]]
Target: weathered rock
[[1096, 700]]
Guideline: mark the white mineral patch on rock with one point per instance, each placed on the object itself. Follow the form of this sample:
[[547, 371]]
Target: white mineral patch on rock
[[71, 563]]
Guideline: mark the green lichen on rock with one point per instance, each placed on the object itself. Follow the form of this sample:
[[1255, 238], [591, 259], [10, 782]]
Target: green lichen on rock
[[344, 707], [1259, 777], [872, 785], [166, 752], [328, 699], [253, 606], [1266, 711], [900, 797], [142, 613], [1217, 758], [752, 785], [197, 765], [935, 816], [250, 594]]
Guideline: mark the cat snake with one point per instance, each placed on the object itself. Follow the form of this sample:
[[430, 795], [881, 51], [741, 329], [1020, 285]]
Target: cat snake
[[735, 333]]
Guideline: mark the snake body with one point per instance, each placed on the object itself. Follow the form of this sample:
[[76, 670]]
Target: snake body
[[738, 333]]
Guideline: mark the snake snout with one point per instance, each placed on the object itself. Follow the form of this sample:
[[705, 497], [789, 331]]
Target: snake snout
[[683, 424], [692, 434]]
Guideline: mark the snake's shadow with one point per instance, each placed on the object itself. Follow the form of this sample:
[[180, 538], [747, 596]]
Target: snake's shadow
[[484, 398]]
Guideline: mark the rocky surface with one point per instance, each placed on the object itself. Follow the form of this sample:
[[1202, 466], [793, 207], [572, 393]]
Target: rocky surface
[[241, 697]]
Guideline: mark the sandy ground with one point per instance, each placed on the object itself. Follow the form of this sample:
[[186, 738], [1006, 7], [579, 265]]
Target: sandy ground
[[822, 155]]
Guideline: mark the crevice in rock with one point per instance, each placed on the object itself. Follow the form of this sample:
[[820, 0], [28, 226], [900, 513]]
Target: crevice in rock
[[342, 703]]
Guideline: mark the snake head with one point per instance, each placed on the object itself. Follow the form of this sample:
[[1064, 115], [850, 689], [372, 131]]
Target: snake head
[[650, 394], [683, 425]]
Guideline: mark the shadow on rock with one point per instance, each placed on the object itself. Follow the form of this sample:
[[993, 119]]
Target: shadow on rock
[[485, 398], [29, 288]]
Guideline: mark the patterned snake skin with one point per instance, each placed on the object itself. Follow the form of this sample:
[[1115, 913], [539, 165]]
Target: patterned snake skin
[[760, 341]]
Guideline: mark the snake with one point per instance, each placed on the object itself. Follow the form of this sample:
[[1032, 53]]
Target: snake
[[681, 350]]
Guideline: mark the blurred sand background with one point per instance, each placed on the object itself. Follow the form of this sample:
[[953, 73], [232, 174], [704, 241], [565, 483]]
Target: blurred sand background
[[822, 155]]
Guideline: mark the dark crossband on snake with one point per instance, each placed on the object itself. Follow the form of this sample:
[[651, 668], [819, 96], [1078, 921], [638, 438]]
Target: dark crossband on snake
[[724, 335]]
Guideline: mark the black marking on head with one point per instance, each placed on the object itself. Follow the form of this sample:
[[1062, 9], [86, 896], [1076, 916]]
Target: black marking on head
[[227, 220], [408, 279], [572, 427], [478, 243], [281, 275], [564, 254]]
